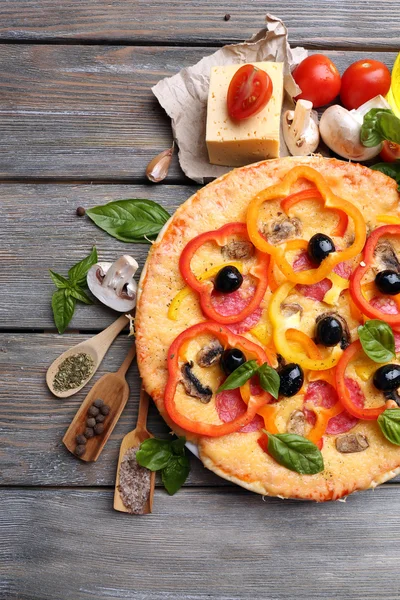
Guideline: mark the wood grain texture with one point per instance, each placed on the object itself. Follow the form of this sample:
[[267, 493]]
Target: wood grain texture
[[33, 421], [88, 113], [40, 230], [198, 545], [338, 23]]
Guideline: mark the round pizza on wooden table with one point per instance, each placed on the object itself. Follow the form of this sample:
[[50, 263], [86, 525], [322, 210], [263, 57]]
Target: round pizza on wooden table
[[273, 268]]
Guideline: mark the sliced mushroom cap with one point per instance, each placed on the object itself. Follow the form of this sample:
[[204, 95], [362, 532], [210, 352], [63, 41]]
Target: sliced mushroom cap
[[209, 354], [113, 283], [193, 386], [297, 423], [351, 442], [291, 308], [282, 229], [346, 339], [300, 130], [238, 250], [386, 257]]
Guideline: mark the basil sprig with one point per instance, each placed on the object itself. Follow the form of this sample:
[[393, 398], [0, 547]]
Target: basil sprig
[[69, 290], [377, 340], [380, 124], [168, 457], [390, 169], [389, 422], [295, 452], [136, 220], [269, 378]]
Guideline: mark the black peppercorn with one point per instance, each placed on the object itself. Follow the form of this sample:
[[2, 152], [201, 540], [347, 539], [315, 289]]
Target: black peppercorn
[[80, 440], [105, 409], [88, 433], [98, 403], [80, 450], [91, 422], [80, 211], [99, 428], [227, 17], [93, 411], [100, 418]]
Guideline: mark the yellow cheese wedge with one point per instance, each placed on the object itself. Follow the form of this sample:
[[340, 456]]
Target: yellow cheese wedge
[[236, 143]]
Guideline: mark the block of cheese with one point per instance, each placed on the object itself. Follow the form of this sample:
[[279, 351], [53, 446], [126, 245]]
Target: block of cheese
[[237, 143]]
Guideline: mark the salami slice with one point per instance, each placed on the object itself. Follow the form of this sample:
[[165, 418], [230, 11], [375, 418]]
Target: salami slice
[[315, 291], [247, 323], [386, 305], [230, 405], [396, 341], [344, 421], [343, 269], [234, 303], [320, 393]]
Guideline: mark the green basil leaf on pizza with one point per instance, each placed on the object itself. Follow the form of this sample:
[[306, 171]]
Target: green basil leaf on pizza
[[389, 422], [377, 340], [239, 376], [269, 379], [295, 452]]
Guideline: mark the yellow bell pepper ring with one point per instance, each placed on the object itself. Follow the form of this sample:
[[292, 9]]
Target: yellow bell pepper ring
[[281, 324], [278, 252]]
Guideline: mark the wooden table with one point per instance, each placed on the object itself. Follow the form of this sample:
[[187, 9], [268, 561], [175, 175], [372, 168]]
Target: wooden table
[[78, 126]]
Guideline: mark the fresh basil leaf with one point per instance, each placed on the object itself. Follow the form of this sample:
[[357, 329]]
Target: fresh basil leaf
[[389, 127], [377, 340], [154, 454], [59, 281], [295, 452], [390, 169], [79, 294], [269, 379], [178, 446], [77, 273], [389, 422], [175, 473], [63, 305], [239, 376], [137, 220], [371, 129]]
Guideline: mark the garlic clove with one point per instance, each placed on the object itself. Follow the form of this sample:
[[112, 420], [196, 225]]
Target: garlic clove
[[158, 167]]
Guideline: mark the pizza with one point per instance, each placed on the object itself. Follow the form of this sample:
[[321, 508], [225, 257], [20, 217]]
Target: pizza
[[267, 326]]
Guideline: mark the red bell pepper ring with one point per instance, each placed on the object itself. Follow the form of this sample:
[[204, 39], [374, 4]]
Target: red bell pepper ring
[[204, 288], [228, 340], [355, 281], [369, 414]]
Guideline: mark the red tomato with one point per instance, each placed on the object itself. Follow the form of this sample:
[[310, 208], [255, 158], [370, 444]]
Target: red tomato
[[249, 91], [318, 78], [390, 151], [363, 80]]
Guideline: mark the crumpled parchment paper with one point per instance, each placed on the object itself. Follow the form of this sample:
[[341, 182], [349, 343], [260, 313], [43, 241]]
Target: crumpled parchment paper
[[184, 96]]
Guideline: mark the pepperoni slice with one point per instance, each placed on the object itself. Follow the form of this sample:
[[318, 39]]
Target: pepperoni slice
[[320, 393], [302, 262], [230, 405], [386, 305], [343, 269], [396, 341], [247, 323], [315, 291], [234, 303], [344, 421]]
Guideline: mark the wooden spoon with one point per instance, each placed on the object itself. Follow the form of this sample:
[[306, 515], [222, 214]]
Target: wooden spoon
[[132, 440], [96, 347], [113, 389]]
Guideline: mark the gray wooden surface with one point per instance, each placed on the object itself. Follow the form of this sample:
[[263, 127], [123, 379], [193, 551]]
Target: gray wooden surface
[[78, 125]]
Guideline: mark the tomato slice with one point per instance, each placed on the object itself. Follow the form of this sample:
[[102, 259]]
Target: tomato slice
[[249, 91], [390, 151]]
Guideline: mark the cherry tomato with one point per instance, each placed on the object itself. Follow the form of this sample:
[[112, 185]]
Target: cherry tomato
[[249, 91], [362, 81], [318, 78], [390, 151]]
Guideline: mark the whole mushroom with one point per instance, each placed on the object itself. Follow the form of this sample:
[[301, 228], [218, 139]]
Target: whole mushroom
[[300, 130], [113, 283]]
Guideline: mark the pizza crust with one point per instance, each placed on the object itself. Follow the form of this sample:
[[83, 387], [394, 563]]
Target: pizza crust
[[238, 457]]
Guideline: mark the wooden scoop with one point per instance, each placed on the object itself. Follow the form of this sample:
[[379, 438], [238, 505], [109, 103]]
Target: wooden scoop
[[96, 347], [113, 389], [132, 440]]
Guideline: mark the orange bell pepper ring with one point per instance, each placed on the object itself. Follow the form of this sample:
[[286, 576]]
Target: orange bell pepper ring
[[282, 190]]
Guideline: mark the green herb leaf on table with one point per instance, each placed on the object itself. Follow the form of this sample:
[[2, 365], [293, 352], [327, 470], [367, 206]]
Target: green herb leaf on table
[[59, 281], [63, 305], [167, 456], [390, 169], [389, 422], [380, 124], [77, 273], [136, 220], [175, 473], [269, 379], [80, 295], [239, 376], [295, 452], [377, 340]]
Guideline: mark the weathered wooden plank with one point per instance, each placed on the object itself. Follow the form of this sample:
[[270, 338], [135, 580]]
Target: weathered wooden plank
[[199, 544], [335, 24], [87, 112], [33, 422], [40, 230]]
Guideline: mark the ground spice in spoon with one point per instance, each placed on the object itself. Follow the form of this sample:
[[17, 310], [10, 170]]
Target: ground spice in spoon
[[134, 483], [73, 371]]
